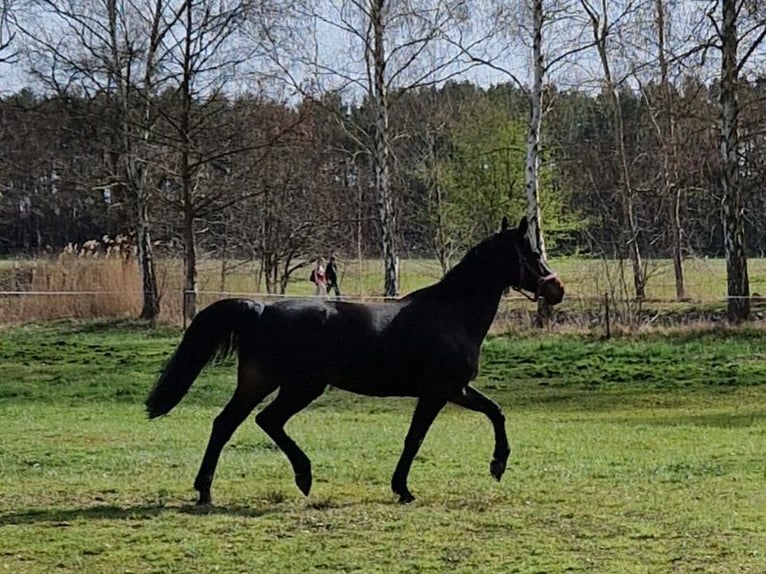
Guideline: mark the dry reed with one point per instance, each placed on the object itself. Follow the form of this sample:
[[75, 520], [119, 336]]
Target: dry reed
[[77, 284]]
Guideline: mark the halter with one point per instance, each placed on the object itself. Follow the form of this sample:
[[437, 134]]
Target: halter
[[540, 280]]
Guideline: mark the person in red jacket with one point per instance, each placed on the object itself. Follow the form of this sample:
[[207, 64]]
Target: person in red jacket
[[319, 278]]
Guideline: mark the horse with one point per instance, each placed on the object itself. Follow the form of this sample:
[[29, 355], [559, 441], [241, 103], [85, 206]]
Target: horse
[[424, 345]]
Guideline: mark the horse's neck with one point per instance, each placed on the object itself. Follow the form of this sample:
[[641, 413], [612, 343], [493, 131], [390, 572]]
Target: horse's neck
[[475, 298]]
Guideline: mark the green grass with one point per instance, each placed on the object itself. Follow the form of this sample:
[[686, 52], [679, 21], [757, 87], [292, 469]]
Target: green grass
[[636, 455]]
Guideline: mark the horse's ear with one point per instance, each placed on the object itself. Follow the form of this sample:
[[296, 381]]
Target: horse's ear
[[523, 225], [504, 224]]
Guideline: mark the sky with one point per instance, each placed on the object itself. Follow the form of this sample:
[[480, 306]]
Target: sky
[[335, 48]]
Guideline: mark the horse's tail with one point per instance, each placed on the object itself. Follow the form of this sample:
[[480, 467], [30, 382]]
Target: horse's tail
[[214, 331]]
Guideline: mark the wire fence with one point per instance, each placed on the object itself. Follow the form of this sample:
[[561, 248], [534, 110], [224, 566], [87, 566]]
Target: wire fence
[[515, 311], [86, 289]]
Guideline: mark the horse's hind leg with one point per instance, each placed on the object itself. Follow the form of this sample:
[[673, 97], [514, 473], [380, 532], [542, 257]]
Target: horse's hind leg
[[272, 420], [251, 390], [473, 400]]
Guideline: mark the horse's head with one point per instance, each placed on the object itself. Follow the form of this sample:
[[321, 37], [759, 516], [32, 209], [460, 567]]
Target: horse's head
[[528, 272]]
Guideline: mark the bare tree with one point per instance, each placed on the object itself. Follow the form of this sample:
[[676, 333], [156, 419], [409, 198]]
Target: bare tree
[[603, 29], [204, 56], [136, 158], [8, 52], [113, 48], [735, 31], [537, 23], [532, 164], [656, 45], [381, 149], [666, 130], [394, 47]]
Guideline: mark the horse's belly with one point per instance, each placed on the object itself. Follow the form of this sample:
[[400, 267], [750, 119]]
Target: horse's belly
[[374, 386]]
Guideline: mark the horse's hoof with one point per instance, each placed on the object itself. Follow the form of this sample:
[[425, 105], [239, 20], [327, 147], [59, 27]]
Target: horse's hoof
[[304, 483], [497, 468], [204, 499], [406, 498]]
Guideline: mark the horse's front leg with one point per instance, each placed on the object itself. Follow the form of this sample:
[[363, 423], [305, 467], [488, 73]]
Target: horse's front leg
[[425, 413], [472, 399]]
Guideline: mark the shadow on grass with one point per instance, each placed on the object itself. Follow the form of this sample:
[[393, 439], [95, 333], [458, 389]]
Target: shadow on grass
[[713, 420], [119, 326], [610, 397], [59, 517]]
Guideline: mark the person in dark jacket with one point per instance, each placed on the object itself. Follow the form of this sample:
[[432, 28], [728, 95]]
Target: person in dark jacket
[[331, 275]]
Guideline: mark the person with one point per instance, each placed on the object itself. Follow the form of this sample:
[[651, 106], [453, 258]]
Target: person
[[332, 277], [319, 278]]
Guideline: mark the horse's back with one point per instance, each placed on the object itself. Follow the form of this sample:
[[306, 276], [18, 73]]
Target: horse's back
[[320, 339], [394, 348]]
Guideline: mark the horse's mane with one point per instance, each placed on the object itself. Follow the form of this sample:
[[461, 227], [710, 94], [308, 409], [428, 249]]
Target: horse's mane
[[470, 262]]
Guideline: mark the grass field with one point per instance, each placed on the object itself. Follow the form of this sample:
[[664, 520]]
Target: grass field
[[705, 278], [634, 455]]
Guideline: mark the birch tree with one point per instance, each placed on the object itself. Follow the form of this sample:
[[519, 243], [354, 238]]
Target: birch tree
[[741, 25], [603, 29], [545, 28], [394, 46]]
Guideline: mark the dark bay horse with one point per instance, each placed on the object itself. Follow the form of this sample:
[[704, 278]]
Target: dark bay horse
[[425, 345]]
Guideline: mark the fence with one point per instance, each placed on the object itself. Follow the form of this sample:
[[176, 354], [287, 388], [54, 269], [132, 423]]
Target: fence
[[108, 288]]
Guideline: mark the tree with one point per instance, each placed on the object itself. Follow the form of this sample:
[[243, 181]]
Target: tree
[[666, 131], [602, 29], [535, 20], [404, 44], [114, 48], [653, 59], [483, 173], [8, 52], [738, 284], [202, 57]]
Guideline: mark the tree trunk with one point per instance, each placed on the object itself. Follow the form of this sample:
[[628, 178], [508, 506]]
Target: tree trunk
[[600, 26], [436, 208], [442, 239], [134, 155], [381, 154], [738, 285], [532, 167], [151, 303], [669, 157], [136, 178], [224, 258], [190, 257], [187, 195], [628, 210]]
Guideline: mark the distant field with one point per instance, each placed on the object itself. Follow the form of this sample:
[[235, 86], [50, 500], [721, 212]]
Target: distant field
[[705, 279], [636, 455], [113, 287]]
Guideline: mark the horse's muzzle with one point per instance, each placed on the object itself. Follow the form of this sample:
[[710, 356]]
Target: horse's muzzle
[[551, 289]]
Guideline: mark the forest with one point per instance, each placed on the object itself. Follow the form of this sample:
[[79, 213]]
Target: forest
[[297, 180], [181, 126]]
